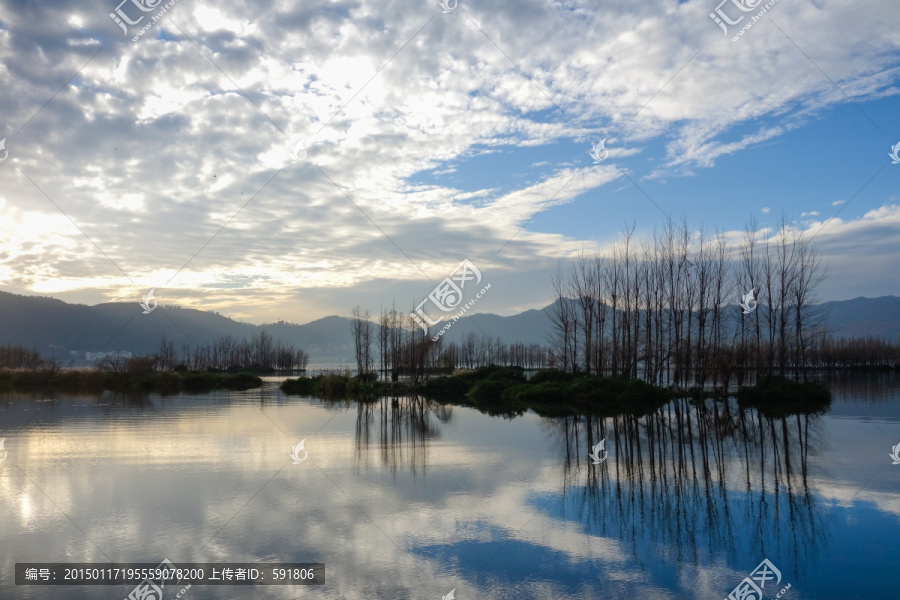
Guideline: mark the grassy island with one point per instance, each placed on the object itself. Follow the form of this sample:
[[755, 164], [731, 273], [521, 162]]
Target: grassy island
[[550, 392], [96, 380], [780, 397]]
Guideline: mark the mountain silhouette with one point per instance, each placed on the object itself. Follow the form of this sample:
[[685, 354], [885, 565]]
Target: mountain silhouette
[[68, 331]]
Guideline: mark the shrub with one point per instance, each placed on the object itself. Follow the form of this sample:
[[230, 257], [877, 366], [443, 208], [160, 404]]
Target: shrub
[[549, 375], [304, 386], [240, 381], [779, 397]]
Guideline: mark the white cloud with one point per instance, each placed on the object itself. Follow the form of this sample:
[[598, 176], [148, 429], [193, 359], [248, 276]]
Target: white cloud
[[152, 150]]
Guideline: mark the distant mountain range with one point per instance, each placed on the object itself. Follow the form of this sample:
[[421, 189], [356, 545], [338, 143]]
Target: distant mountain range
[[69, 331]]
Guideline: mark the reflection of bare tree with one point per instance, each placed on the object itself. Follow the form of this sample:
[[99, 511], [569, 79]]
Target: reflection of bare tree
[[698, 480], [400, 426]]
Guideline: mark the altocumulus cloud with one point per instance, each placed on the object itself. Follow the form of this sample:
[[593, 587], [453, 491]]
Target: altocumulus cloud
[[171, 153]]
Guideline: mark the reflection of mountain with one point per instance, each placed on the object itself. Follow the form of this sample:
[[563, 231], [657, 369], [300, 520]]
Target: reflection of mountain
[[703, 483]]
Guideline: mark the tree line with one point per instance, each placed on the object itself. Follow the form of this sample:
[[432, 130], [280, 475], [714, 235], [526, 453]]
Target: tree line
[[862, 352], [226, 352], [396, 345], [667, 307]]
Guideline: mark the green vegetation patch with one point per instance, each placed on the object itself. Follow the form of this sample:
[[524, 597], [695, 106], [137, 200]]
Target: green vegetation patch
[[780, 397], [549, 392], [335, 385], [95, 380]]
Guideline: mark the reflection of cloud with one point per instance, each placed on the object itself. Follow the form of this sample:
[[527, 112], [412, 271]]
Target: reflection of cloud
[[848, 495], [205, 474]]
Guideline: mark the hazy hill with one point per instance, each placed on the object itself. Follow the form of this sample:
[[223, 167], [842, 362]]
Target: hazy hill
[[70, 330], [879, 317]]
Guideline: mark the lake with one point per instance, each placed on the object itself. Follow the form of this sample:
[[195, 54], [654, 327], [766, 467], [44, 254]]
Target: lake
[[416, 499]]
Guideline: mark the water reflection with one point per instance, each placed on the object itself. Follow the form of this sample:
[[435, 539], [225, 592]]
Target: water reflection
[[698, 482], [703, 481], [690, 498], [401, 427]]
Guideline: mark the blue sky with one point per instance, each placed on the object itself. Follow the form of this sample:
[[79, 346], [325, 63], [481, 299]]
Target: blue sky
[[431, 137]]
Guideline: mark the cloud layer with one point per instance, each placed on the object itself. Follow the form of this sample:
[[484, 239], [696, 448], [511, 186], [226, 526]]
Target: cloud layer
[[166, 162]]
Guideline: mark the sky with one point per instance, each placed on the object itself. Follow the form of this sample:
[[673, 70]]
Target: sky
[[289, 160]]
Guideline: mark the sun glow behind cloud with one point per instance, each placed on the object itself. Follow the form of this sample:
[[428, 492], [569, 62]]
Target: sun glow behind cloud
[[168, 156]]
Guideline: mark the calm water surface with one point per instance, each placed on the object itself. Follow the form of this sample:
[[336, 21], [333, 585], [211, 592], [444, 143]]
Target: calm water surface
[[413, 500]]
